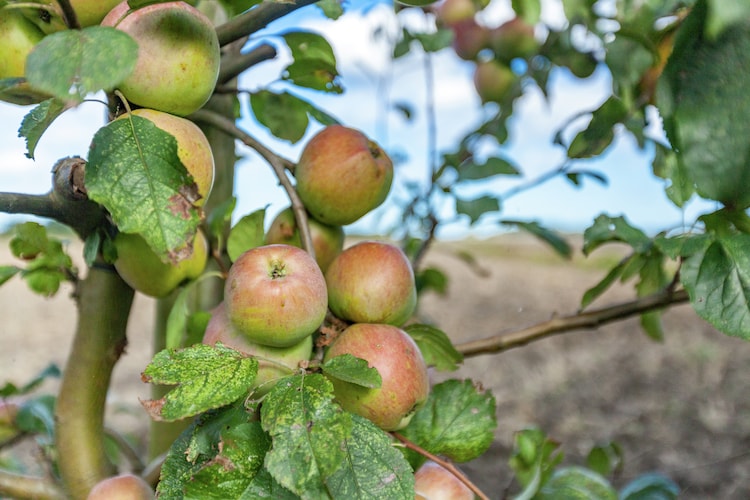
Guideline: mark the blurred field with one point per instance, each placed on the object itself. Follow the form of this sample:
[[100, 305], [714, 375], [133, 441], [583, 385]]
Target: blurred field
[[680, 407]]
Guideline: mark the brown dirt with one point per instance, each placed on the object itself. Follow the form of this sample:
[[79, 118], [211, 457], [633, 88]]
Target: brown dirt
[[679, 407]]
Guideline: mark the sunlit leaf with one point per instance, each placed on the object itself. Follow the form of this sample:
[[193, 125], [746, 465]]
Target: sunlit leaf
[[246, 234], [573, 483], [37, 121], [435, 346]]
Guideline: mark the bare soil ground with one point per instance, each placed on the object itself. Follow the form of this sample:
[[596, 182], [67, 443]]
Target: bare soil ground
[[680, 407]]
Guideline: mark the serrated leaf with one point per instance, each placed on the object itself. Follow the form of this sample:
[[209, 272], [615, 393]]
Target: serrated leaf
[[576, 483], [314, 63], [133, 171], [650, 487], [479, 171], [717, 280], [71, 64], [36, 122], [457, 421], [373, 467], [548, 236], [608, 229], [309, 433], [246, 234], [206, 377], [600, 132], [435, 346], [354, 370], [477, 207]]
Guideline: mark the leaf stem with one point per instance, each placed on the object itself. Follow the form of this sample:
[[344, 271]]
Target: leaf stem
[[591, 319], [443, 463]]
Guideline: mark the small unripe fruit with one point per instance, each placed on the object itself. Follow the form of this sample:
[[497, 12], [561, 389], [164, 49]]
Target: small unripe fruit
[[122, 487], [469, 38], [494, 81], [342, 175], [513, 39]]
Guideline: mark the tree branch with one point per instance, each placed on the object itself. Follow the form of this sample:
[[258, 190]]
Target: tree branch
[[583, 320], [234, 64], [256, 19], [23, 486], [278, 164]]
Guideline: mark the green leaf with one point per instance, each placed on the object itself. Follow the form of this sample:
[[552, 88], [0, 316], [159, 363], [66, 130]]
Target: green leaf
[[457, 421], [180, 314], [51, 371], [219, 220], [650, 487], [705, 106], [29, 240], [594, 292], [528, 10], [206, 377], [47, 263], [314, 63], [7, 272], [354, 370], [246, 234], [17, 91], [533, 460], [133, 171], [332, 9], [480, 171], [37, 121], [373, 467], [309, 433], [721, 15], [264, 485], [605, 459], [477, 207], [576, 483], [71, 64], [548, 236], [717, 280], [283, 114], [37, 416], [608, 229], [431, 278], [679, 187], [653, 278], [435, 346], [433, 42], [600, 132]]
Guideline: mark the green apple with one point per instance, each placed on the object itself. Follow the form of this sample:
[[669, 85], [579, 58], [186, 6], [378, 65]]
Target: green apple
[[178, 56], [144, 271], [273, 362], [494, 81], [276, 295], [372, 282], [405, 383], [193, 149], [342, 175], [18, 36], [513, 39], [328, 241], [122, 487], [451, 12]]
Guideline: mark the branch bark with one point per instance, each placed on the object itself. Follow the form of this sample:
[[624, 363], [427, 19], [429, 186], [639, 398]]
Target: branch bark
[[583, 320], [24, 486], [256, 19]]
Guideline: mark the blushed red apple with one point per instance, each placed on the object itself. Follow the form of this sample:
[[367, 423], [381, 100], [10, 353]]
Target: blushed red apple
[[434, 482], [122, 487], [401, 366], [372, 282], [342, 175], [513, 39], [178, 56], [273, 362], [469, 38], [276, 295], [328, 241]]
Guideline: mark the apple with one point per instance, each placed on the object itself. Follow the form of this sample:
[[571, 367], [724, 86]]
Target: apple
[[342, 175], [122, 487], [451, 12], [193, 149], [513, 39], [434, 482], [276, 295], [469, 38], [402, 369], [19, 36], [372, 282], [494, 81], [178, 56], [328, 241], [48, 16], [142, 269], [273, 362]]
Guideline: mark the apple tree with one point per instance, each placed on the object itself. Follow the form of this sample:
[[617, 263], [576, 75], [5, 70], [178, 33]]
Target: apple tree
[[286, 365]]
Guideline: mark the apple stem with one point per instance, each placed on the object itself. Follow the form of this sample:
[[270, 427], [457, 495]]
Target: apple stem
[[444, 463]]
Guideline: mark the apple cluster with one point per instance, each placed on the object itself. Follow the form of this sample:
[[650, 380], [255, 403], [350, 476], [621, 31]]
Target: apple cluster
[[493, 48]]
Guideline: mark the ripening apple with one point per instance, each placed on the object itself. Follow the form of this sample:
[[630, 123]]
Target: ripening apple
[[178, 56], [372, 282], [513, 39], [49, 19], [122, 487], [273, 362], [405, 384], [18, 36], [193, 149], [494, 81], [451, 12], [342, 175], [434, 482], [328, 241], [469, 38], [142, 269], [276, 295]]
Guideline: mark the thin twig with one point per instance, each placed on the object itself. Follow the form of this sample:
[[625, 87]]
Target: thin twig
[[583, 320], [443, 463]]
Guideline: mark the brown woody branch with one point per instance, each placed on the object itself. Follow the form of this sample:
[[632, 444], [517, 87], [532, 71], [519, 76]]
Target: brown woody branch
[[580, 321], [234, 64], [256, 19], [23, 486]]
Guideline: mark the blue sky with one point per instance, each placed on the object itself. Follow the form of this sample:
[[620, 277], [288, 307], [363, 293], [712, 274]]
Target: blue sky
[[372, 81]]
